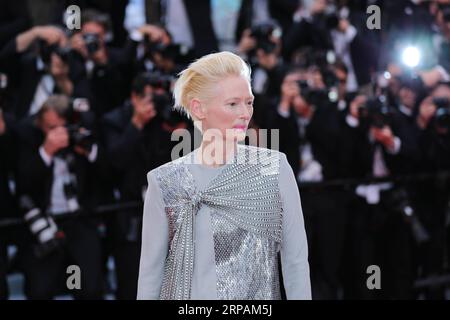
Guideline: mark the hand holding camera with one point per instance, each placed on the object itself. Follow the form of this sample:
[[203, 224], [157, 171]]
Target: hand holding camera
[[155, 34], [51, 35], [383, 135], [247, 42], [56, 139], [90, 47], [77, 44], [49, 237], [318, 7], [144, 111]]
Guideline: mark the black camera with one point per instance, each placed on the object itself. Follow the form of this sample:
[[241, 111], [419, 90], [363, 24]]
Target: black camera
[[171, 51], [375, 113], [320, 96], [263, 33], [177, 53], [92, 42], [315, 97], [43, 228], [46, 51], [442, 115], [161, 100], [160, 81], [79, 136], [333, 17]]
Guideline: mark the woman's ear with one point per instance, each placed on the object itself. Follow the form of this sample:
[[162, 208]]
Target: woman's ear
[[197, 109]]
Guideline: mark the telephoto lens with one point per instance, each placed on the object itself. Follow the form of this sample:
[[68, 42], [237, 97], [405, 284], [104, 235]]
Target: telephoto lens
[[43, 228]]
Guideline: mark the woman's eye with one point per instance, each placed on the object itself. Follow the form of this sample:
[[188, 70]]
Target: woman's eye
[[233, 104]]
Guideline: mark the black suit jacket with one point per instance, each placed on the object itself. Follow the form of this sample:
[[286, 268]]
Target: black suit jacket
[[134, 152], [35, 178], [108, 84], [323, 134], [359, 150], [27, 77]]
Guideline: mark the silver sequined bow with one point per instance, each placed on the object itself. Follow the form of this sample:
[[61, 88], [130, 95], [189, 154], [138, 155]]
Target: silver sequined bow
[[245, 192]]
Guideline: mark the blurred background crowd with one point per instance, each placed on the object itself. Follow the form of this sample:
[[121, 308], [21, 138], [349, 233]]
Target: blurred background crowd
[[363, 116]]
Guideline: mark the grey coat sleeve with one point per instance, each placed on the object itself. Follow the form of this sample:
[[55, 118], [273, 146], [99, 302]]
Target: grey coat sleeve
[[155, 243], [294, 248]]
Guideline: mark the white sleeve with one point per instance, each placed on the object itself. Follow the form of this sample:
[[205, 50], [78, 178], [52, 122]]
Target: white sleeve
[[45, 157], [155, 243], [294, 248], [396, 148]]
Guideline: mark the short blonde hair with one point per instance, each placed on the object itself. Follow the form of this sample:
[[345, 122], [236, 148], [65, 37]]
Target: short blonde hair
[[194, 81]]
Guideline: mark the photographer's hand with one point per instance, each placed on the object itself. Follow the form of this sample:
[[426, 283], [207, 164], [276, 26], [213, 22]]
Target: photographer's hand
[[318, 7], [56, 139], [51, 35], [155, 33], [77, 43], [247, 42], [144, 111], [384, 136]]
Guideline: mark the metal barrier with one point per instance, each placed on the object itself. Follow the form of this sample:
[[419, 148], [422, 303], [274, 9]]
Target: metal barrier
[[432, 281], [105, 209]]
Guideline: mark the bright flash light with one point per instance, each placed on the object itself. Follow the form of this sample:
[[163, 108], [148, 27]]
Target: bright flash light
[[411, 56]]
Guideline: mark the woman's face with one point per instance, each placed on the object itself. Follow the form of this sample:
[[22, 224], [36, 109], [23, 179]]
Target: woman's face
[[229, 110]]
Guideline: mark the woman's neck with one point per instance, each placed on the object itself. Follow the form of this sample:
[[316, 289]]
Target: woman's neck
[[216, 154]]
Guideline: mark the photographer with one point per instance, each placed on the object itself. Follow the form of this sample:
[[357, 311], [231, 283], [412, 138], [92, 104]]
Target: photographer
[[308, 30], [261, 44], [154, 50], [45, 67], [377, 144], [326, 27], [104, 66], [433, 195], [309, 135], [58, 156], [138, 136]]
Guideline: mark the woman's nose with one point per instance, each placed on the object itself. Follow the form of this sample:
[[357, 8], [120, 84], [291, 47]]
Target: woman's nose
[[246, 112]]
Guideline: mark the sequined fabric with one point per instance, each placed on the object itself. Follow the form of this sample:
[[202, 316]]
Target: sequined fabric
[[247, 221]]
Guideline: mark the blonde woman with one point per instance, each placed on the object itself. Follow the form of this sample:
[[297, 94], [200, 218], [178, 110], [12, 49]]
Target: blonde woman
[[216, 219]]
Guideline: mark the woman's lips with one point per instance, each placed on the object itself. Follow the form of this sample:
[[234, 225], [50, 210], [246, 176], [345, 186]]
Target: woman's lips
[[243, 128]]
